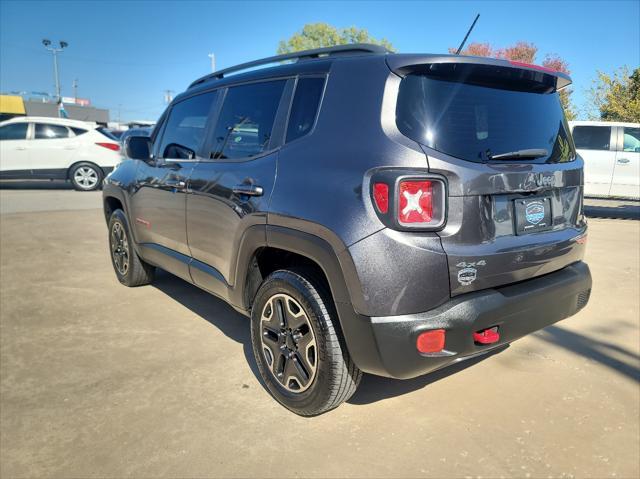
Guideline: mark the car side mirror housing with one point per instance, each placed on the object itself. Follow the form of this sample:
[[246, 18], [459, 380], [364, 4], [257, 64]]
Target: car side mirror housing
[[138, 148]]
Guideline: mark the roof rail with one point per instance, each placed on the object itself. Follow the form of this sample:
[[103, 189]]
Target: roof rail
[[302, 55]]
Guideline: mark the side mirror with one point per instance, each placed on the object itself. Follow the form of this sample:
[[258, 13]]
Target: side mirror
[[138, 148]]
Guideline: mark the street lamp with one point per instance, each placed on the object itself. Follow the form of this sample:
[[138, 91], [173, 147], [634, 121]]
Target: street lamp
[[55, 51]]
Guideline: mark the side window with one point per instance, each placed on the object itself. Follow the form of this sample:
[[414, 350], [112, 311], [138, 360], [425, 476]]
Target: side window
[[592, 137], [14, 131], [50, 132], [631, 139], [184, 130], [78, 131], [305, 107], [246, 120]]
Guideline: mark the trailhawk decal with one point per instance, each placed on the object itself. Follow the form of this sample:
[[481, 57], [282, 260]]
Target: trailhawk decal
[[468, 272]]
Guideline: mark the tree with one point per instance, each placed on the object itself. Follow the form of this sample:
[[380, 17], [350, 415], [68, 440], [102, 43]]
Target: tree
[[616, 97], [526, 53], [318, 35]]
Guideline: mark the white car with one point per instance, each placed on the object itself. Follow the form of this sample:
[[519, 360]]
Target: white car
[[57, 149], [611, 153]]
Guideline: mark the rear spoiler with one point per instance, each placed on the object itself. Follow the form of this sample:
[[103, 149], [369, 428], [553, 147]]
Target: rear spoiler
[[403, 64]]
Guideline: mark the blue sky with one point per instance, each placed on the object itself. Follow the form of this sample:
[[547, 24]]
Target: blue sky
[[127, 53]]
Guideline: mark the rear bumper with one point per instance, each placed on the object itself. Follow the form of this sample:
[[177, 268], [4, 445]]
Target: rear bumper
[[518, 310]]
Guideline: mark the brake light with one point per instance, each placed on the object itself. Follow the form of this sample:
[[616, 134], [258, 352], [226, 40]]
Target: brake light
[[431, 341], [415, 202], [535, 67], [381, 197], [110, 146]]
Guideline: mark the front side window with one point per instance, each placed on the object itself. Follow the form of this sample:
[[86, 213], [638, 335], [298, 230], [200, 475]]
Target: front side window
[[184, 131], [14, 131], [631, 140], [50, 132], [592, 137], [477, 112], [305, 107], [246, 120]]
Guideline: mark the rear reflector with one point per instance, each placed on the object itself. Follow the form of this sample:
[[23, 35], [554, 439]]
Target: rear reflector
[[431, 341], [110, 146], [487, 336], [416, 202], [381, 196]]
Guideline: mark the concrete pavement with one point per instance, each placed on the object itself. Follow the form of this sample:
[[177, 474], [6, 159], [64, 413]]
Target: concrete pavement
[[98, 380]]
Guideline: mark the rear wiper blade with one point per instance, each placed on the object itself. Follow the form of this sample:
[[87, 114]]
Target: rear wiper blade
[[530, 153]]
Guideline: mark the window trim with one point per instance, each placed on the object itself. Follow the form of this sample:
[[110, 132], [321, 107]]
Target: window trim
[[613, 137], [325, 76], [284, 101]]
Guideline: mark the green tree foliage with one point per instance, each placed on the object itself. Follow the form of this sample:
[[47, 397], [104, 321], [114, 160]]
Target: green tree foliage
[[318, 35], [526, 53], [616, 97]]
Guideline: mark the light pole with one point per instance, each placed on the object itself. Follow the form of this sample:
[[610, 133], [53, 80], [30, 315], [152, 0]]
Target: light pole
[[212, 56], [55, 51]]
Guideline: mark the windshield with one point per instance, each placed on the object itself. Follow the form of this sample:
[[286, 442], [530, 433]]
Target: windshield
[[472, 119]]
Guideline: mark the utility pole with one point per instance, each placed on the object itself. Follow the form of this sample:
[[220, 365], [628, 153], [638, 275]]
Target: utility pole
[[55, 51], [75, 91], [212, 56], [168, 96]]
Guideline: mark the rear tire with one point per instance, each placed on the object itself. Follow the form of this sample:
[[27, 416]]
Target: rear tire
[[129, 268], [298, 346], [86, 176]]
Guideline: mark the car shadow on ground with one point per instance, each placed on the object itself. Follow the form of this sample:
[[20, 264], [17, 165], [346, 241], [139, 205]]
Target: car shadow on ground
[[35, 185], [613, 210], [236, 327], [619, 359]]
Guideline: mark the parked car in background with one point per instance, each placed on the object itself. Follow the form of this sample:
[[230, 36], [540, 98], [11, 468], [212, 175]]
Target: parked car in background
[[57, 149], [370, 212], [611, 153]]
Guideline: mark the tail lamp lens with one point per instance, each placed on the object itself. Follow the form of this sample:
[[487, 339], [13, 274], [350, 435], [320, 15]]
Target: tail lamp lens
[[110, 146], [381, 197], [431, 341], [416, 202]]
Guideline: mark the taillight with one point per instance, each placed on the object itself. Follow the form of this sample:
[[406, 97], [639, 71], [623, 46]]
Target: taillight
[[381, 197], [409, 201], [416, 202], [110, 146]]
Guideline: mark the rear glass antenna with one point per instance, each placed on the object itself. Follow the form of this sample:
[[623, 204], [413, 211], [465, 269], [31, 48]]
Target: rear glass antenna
[[467, 35]]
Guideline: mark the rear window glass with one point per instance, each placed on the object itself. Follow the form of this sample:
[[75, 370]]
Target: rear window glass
[[50, 132], [246, 120], [14, 131], [305, 107], [471, 118], [592, 137], [106, 133]]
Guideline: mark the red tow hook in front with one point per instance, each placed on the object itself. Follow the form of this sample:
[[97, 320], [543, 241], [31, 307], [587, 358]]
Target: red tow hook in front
[[487, 336]]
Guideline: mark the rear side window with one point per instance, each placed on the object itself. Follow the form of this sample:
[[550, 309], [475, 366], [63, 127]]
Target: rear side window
[[50, 132], [305, 107], [474, 113], [14, 131], [592, 137], [184, 132], [78, 131], [631, 139], [246, 120]]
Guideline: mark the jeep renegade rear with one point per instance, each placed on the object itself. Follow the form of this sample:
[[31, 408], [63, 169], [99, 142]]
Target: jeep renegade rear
[[370, 212]]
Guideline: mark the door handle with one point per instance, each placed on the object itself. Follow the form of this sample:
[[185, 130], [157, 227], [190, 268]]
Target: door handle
[[623, 160], [21, 148], [249, 190], [175, 183]]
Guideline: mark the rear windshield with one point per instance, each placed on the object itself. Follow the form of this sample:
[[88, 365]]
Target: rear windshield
[[469, 116], [107, 133]]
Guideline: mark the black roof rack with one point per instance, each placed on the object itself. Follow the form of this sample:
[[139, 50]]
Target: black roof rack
[[302, 55]]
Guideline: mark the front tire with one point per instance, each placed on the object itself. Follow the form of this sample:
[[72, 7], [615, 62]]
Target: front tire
[[297, 344], [86, 176], [129, 268]]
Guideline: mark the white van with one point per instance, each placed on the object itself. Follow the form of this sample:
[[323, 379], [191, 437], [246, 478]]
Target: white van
[[611, 153]]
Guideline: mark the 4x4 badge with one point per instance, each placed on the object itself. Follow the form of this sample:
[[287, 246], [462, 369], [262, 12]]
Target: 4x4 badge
[[469, 272]]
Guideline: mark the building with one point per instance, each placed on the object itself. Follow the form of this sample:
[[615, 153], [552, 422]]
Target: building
[[13, 105]]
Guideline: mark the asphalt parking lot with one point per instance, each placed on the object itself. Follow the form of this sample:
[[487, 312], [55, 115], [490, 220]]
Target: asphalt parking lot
[[97, 380]]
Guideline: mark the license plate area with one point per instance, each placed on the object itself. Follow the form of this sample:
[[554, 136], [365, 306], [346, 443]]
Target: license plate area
[[533, 214]]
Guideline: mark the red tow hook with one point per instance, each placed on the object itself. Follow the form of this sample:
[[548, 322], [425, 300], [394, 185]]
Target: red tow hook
[[487, 336]]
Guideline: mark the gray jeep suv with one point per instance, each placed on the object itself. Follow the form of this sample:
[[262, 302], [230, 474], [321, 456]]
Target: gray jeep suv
[[370, 212]]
